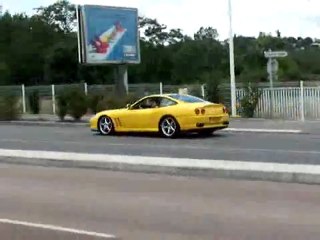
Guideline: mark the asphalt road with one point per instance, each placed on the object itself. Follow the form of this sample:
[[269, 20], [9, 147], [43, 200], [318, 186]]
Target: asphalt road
[[21, 232], [283, 148], [148, 206]]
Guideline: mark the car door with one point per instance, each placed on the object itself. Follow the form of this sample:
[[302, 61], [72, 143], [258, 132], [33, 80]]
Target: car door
[[140, 116]]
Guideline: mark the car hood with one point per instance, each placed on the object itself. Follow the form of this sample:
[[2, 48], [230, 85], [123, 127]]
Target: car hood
[[111, 112]]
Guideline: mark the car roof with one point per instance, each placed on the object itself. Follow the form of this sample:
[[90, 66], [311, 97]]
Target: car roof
[[166, 95]]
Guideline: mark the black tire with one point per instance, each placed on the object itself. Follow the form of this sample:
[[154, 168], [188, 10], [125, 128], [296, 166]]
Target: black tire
[[169, 127], [105, 126]]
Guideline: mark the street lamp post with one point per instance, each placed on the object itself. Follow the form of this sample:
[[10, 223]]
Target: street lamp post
[[232, 71]]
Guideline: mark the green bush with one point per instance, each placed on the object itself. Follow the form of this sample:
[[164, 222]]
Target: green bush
[[109, 103], [131, 98], [94, 101], [213, 82], [34, 102], [62, 102], [77, 104], [73, 102], [213, 92], [112, 102], [196, 91], [9, 108], [250, 101]]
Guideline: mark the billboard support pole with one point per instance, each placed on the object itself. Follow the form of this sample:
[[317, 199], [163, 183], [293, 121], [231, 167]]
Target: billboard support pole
[[121, 80], [53, 93], [23, 90]]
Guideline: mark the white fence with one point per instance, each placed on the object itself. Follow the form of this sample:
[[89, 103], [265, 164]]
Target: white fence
[[293, 103], [48, 93]]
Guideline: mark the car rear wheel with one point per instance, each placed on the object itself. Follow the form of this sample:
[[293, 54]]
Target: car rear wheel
[[169, 127], [105, 125]]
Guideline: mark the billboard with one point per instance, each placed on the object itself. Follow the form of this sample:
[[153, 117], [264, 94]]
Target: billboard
[[108, 35]]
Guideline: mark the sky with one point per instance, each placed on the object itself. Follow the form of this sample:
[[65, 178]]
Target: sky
[[291, 17]]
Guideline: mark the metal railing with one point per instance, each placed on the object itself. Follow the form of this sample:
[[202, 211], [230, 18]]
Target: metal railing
[[293, 103]]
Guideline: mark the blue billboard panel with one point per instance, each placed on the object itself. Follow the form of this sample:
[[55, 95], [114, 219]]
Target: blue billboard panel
[[110, 35]]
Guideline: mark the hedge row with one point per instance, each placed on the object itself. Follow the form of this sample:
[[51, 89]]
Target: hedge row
[[75, 103], [71, 102], [9, 108]]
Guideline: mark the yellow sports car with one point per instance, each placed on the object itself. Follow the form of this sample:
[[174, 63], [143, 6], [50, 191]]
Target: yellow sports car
[[168, 114]]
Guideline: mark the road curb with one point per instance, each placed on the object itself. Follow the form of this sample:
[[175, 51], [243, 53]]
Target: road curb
[[290, 173]]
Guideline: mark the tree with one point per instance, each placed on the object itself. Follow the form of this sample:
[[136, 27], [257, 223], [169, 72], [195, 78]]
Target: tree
[[267, 41], [157, 34], [197, 57], [61, 65], [61, 15], [153, 32], [5, 74], [23, 44], [42, 49], [206, 33]]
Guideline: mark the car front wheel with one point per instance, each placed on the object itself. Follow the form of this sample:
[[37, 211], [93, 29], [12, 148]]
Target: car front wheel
[[105, 125]]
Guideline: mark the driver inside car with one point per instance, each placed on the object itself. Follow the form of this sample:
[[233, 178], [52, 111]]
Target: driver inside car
[[154, 104]]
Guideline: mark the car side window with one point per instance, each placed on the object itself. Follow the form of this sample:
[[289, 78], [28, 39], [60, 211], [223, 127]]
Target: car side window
[[165, 102], [147, 103]]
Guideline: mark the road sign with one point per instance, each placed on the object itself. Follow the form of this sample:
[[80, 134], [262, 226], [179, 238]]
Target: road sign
[[278, 54]]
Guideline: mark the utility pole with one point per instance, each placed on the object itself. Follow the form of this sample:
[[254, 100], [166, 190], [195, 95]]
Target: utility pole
[[232, 67]]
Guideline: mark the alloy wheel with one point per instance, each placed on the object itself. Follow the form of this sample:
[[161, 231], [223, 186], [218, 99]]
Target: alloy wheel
[[169, 127], [105, 125]]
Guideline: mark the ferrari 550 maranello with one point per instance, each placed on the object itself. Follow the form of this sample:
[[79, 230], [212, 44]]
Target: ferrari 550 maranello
[[168, 114]]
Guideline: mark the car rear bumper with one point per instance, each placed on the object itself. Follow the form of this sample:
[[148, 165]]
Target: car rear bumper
[[204, 122]]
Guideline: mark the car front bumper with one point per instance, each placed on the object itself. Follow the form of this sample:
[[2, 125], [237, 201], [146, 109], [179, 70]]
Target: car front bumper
[[93, 123]]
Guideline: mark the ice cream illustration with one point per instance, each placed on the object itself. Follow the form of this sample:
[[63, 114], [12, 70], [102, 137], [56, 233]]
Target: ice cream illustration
[[104, 43]]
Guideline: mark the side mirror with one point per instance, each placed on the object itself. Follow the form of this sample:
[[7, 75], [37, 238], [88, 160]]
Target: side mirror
[[128, 106]]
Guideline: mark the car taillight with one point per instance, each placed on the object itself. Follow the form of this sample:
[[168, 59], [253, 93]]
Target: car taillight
[[197, 111], [203, 111]]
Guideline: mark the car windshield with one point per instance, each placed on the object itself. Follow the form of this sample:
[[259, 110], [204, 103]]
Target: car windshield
[[187, 98]]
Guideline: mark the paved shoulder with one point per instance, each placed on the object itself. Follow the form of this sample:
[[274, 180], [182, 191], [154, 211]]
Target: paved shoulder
[[149, 206]]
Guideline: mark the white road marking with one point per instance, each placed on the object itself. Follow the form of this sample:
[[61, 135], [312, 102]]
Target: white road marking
[[163, 161], [56, 228], [262, 130]]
